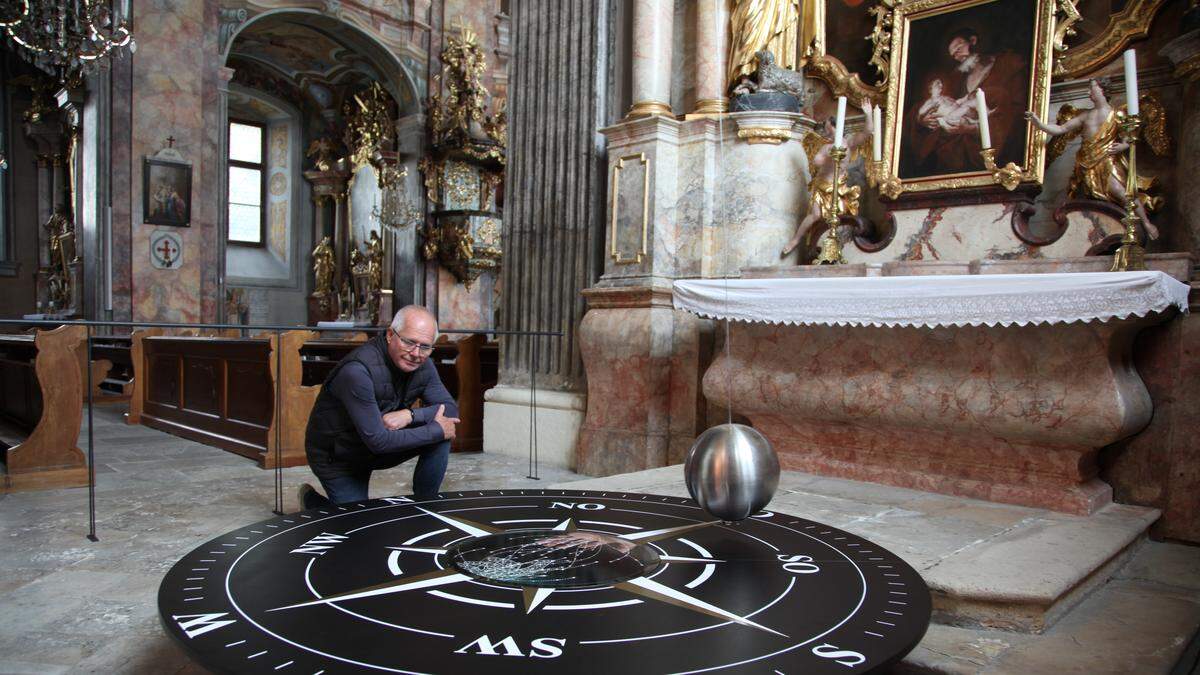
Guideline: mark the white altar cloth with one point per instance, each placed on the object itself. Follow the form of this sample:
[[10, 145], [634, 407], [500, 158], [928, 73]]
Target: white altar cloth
[[929, 301]]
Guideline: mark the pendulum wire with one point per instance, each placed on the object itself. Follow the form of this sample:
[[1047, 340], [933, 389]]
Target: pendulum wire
[[724, 216], [279, 425], [91, 445]]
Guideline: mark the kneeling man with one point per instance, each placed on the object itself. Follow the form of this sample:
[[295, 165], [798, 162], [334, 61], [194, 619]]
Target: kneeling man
[[363, 419]]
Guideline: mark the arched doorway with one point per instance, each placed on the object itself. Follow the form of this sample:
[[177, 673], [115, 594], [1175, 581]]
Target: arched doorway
[[296, 81]]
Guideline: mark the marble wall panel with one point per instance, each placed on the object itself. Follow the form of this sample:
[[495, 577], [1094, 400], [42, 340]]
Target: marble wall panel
[[717, 203], [169, 89], [461, 308]]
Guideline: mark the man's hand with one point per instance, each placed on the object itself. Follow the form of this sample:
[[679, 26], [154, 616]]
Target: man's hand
[[397, 419], [446, 423]]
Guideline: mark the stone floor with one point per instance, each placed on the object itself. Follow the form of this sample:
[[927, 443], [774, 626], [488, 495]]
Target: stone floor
[[71, 605]]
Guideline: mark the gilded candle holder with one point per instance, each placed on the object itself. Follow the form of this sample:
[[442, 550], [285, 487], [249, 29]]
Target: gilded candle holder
[[831, 243], [1130, 257]]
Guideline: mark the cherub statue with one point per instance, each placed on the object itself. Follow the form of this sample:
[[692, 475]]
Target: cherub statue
[[322, 261], [1101, 165], [822, 203]]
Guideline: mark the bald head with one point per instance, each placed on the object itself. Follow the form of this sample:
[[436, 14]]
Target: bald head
[[409, 313]]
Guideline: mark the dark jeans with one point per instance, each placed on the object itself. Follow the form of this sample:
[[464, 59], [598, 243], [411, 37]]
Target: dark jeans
[[427, 478]]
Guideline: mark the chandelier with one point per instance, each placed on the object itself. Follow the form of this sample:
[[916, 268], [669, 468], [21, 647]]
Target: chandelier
[[69, 38]]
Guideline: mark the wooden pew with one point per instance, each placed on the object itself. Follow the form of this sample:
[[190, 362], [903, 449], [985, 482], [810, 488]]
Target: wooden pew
[[44, 369], [291, 416], [220, 390], [116, 382], [216, 391]]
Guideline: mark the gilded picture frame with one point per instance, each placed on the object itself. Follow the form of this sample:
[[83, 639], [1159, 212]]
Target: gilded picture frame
[[928, 150], [849, 40]]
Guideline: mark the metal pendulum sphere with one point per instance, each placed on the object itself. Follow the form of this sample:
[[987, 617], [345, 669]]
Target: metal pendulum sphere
[[731, 471]]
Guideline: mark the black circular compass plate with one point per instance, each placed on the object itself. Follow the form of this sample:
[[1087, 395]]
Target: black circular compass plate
[[541, 581]]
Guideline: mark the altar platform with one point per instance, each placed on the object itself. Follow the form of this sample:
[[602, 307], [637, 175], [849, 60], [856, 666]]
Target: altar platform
[[1015, 589]]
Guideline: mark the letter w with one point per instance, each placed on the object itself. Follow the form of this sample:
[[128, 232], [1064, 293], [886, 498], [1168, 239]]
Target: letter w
[[321, 543], [199, 624]]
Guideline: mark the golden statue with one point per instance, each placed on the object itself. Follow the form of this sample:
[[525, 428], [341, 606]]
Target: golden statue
[[375, 261], [322, 262], [762, 24], [824, 202], [1102, 164]]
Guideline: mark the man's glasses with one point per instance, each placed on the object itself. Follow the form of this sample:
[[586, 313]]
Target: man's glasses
[[409, 345]]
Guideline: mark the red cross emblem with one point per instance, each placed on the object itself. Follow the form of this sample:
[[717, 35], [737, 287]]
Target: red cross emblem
[[167, 251]]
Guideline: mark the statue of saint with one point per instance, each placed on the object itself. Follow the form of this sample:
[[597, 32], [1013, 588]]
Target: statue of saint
[[1101, 164], [322, 262], [375, 261], [772, 25], [824, 203]]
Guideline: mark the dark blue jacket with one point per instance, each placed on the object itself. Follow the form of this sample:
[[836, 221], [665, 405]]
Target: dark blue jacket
[[345, 429]]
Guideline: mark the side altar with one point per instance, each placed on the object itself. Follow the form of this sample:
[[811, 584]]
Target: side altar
[[1001, 387]]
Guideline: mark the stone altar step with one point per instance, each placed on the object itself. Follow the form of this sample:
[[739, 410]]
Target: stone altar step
[[988, 565]]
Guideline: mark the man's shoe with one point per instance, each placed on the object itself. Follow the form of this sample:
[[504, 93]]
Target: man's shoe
[[304, 495]]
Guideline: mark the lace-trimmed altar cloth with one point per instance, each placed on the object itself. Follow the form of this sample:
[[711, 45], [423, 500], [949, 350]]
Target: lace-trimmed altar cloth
[[932, 301]]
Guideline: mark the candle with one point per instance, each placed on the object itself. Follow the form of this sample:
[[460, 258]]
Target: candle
[[877, 134], [985, 132], [841, 122], [1131, 88]]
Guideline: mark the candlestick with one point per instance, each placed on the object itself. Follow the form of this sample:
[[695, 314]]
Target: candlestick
[[1131, 86], [841, 122], [985, 132], [876, 134]]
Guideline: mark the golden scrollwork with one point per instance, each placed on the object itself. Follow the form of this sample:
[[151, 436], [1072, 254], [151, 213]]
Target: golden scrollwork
[[1010, 175], [768, 135], [1064, 27], [830, 69], [1131, 23]]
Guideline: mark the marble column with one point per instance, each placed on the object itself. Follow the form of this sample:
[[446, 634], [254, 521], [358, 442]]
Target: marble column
[[1184, 54], [653, 21], [554, 221], [712, 45]]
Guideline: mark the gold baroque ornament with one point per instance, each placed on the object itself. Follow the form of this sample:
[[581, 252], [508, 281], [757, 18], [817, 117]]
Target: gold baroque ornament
[[368, 124], [1067, 15], [831, 70], [460, 120], [1131, 23], [769, 135]]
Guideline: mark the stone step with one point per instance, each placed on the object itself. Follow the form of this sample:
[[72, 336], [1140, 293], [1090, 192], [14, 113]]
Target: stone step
[[987, 565]]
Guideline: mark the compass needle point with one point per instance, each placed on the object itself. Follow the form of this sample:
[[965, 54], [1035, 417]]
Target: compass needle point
[[648, 588]]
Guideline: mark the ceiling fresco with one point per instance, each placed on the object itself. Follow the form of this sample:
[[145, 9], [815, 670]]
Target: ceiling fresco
[[302, 52]]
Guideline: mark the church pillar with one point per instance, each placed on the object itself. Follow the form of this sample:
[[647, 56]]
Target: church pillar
[[224, 75], [553, 221], [652, 39], [341, 234], [712, 47], [1184, 53]]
